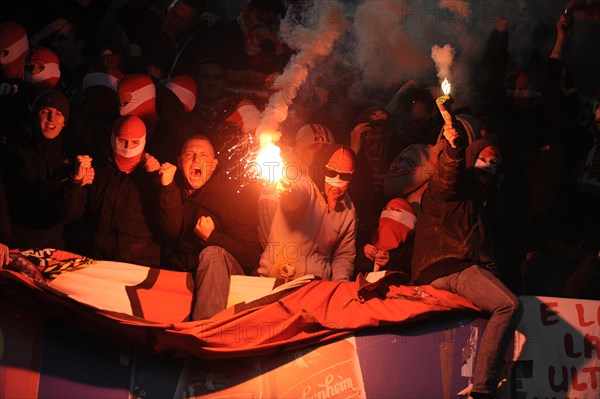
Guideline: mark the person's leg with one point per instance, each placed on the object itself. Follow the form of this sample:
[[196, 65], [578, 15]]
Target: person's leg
[[211, 283], [485, 290]]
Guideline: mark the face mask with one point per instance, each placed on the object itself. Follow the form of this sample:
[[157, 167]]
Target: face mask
[[487, 167], [127, 152], [337, 179]]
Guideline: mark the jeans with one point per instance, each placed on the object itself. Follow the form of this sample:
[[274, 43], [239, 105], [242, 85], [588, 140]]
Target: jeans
[[485, 290], [211, 284]]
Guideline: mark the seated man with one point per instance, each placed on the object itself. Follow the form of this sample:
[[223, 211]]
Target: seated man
[[314, 227], [453, 251], [211, 224]]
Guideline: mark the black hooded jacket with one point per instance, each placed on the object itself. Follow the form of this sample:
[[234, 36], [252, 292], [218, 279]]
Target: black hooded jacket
[[451, 232]]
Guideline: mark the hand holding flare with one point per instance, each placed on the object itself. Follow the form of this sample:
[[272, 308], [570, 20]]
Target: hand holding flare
[[445, 102]]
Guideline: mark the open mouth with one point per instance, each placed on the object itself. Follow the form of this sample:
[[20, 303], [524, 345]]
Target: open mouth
[[196, 172]]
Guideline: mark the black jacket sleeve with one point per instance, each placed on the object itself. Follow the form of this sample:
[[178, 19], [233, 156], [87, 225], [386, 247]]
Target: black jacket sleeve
[[446, 183], [170, 211]]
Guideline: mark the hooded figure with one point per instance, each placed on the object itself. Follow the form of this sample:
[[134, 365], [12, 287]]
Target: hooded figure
[[453, 252], [314, 227], [462, 228]]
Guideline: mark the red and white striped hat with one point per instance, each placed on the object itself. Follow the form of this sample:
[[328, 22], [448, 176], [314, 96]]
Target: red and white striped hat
[[41, 71], [13, 48], [184, 88], [397, 220], [100, 88], [101, 75], [246, 116], [137, 96]]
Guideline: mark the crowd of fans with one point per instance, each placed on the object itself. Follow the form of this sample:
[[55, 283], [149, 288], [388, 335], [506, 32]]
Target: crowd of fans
[[126, 128], [119, 120]]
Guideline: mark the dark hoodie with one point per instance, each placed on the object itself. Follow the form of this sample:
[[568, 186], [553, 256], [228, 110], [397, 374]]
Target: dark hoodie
[[451, 232]]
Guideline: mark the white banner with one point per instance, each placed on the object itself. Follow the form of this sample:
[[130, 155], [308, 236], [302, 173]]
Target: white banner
[[557, 350]]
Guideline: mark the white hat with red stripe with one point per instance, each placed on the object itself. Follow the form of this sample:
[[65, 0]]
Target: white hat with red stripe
[[184, 88]]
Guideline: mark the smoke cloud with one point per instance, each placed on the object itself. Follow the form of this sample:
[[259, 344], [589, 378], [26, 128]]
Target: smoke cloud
[[311, 42], [364, 54], [443, 56]]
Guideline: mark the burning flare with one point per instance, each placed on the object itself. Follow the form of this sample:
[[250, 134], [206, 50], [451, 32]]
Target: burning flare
[[446, 87], [268, 160], [444, 103]]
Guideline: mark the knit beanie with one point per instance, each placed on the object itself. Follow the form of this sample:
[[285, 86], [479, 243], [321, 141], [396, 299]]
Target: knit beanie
[[52, 98]]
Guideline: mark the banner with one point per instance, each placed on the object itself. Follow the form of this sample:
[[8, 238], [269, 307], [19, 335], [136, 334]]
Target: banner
[[557, 350]]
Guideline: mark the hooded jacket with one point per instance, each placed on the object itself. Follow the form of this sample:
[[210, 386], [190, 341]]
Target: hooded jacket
[[451, 231]]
